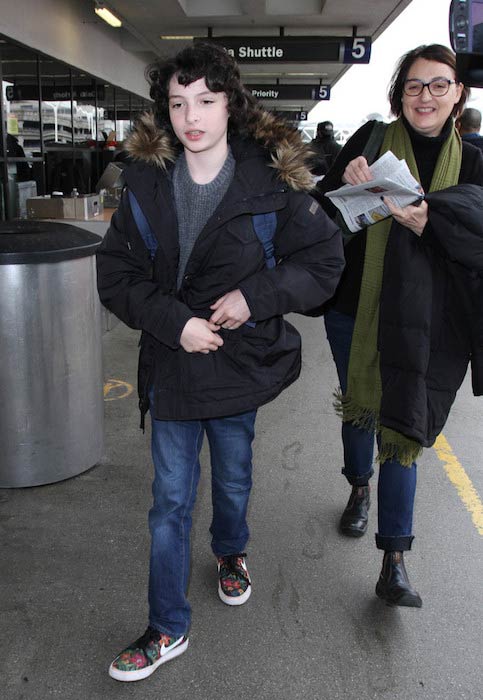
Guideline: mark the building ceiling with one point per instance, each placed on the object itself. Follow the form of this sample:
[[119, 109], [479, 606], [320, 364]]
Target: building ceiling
[[147, 22]]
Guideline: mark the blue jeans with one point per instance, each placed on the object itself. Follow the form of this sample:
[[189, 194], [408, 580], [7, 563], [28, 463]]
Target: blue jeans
[[397, 484], [176, 447]]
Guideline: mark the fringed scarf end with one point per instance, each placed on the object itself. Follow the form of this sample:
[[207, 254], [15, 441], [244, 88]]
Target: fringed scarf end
[[350, 412], [397, 447]]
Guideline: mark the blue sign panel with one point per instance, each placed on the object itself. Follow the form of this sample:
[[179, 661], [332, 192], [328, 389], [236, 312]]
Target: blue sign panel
[[357, 49]]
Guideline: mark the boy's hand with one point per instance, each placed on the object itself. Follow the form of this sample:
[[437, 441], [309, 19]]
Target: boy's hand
[[231, 310], [199, 335]]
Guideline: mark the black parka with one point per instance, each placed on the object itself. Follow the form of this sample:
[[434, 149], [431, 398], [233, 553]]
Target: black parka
[[258, 360], [431, 314]]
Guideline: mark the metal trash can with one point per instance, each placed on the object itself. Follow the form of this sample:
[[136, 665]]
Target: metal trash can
[[51, 386]]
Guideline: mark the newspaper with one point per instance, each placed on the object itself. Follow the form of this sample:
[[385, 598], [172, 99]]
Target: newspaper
[[362, 205]]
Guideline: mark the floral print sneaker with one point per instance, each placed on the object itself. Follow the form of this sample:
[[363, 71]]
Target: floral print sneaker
[[141, 658], [234, 585]]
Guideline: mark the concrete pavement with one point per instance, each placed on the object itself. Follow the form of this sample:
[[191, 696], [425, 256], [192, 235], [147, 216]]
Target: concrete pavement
[[73, 572]]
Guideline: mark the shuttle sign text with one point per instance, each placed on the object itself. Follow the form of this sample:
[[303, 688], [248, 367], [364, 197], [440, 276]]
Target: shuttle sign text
[[296, 49]]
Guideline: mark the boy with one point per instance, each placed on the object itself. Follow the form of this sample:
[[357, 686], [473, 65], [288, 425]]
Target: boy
[[214, 344]]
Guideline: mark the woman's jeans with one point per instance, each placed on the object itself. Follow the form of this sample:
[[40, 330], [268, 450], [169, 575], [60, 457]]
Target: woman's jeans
[[397, 484], [176, 447]]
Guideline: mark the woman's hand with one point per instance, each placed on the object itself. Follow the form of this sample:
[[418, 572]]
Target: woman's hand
[[412, 217], [231, 310], [199, 335], [357, 172]]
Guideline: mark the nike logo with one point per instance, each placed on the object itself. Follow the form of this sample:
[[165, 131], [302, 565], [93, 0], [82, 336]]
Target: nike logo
[[164, 649]]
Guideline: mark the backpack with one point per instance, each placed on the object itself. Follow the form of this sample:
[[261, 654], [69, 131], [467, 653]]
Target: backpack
[[264, 224]]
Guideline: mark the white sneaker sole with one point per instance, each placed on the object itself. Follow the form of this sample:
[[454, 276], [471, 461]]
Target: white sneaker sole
[[127, 676], [235, 600]]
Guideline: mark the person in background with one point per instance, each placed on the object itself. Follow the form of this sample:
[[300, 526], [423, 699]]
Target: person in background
[[325, 148], [214, 344], [406, 317], [469, 125], [15, 150]]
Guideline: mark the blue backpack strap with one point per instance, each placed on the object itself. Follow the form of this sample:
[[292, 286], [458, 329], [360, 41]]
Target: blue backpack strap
[[142, 223], [265, 226]]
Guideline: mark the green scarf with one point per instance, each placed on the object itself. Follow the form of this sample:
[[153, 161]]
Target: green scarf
[[361, 404]]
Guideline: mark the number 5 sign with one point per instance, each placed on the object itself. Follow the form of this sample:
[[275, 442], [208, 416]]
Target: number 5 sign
[[321, 92], [357, 49]]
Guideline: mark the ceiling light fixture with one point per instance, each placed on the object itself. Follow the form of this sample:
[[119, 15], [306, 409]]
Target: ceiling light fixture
[[107, 15], [176, 37]]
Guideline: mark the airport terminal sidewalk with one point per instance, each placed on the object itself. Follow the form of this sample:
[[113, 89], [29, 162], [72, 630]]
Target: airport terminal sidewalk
[[73, 577]]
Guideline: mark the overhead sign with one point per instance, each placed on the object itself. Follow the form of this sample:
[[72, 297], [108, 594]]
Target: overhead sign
[[295, 49], [289, 92], [301, 116], [54, 93]]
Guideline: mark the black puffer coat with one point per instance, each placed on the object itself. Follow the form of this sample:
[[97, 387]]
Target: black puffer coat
[[255, 363], [431, 314], [431, 304]]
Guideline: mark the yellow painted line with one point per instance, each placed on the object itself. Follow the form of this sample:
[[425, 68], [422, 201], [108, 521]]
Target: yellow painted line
[[460, 479], [115, 389]]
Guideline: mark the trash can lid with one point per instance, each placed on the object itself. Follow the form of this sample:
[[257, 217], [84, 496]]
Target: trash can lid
[[40, 241]]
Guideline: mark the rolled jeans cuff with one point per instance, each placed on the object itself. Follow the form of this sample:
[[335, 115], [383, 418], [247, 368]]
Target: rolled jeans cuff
[[357, 479], [394, 544]]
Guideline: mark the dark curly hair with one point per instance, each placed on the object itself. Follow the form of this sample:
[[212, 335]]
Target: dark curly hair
[[221, 73], [430, 52]]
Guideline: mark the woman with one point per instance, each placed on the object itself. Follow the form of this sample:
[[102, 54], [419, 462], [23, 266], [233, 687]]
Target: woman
[[404, 321], [214, 345]]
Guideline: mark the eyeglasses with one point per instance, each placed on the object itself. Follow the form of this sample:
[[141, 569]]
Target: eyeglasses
[[438, 87]]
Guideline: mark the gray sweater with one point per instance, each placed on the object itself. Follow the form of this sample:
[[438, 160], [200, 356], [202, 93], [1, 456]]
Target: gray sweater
[[195, 204]]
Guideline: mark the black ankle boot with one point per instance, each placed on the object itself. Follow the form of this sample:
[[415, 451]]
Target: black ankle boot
[[393, 585], [353, 521]]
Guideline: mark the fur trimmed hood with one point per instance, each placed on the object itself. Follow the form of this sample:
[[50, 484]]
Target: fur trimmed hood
[[290, 156]]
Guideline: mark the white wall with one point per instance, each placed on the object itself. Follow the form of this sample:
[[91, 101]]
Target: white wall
[[70, 31]]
